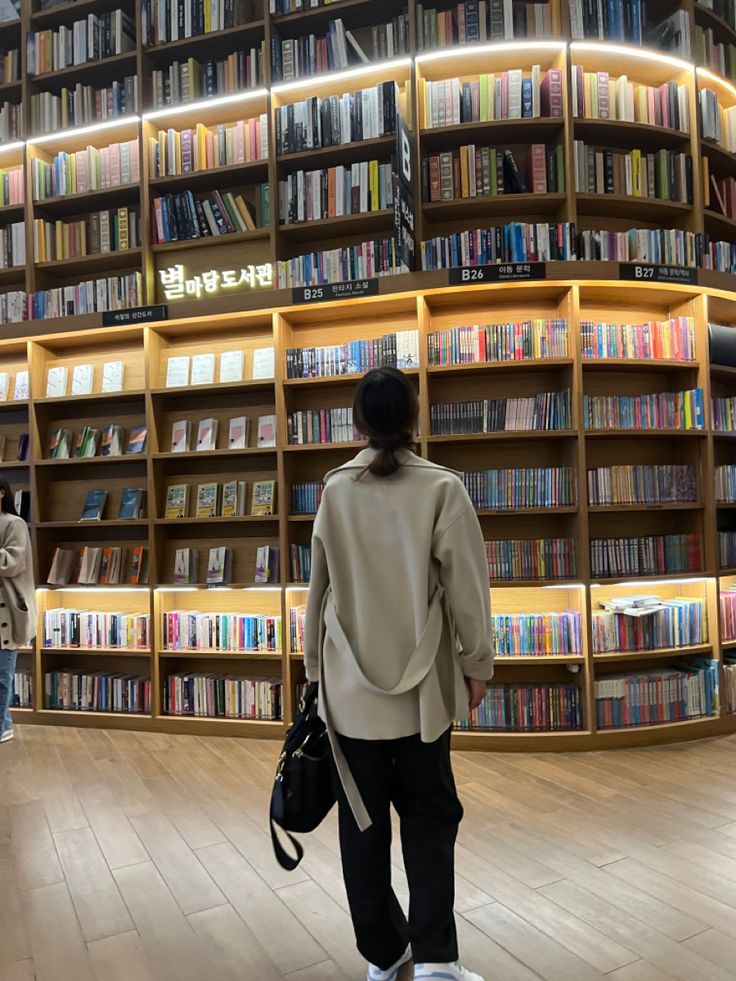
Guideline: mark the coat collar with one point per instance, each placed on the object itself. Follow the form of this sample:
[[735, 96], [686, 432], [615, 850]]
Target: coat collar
[[407, 458]]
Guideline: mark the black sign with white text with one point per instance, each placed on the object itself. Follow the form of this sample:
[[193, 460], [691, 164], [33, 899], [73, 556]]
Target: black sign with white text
[[504, 272], [639, 272], [135, 315], [334, 291]]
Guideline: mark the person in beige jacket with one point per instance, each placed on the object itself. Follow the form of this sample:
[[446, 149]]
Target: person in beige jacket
[[17, 600], [398, 635]]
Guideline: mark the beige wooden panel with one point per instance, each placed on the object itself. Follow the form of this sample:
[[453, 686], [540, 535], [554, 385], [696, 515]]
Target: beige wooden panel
[[58, 949]]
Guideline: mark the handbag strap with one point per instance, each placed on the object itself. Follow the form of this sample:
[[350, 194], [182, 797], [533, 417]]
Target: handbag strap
[[285, 860]]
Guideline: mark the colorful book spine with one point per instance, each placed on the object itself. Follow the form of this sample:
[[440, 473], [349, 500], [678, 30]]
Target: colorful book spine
[[663, 410], [647, 555], [660, 246], [521, 487], [367, 114], [728, 614], [190, 80], [365, 260], [643, 484], [91, 296], [398, 350], [726, 484], [536, 634], [598, 95], [729, 685], [92, 169], [314, 195], [511, 94], [12, 186], [727, 549], [545, 411], [657, 696], [83, 104], [528, 708], [321, 426], [188, 151], [297, 620], [724, 415], [90, 630], [190, 630], [22, 689], [542, 558], [517, 242], [221, 697], [682, 623], [306, 496], [668, 340], [478, 344], [97, 691], [301, 562]]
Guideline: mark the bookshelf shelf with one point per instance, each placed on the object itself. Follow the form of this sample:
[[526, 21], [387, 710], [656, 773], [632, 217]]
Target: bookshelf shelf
[[490, 133], [99, 262], [251, 451], [258, 728], [211, 44], [125, 459], [719, 226], [344, 153], [94, 399], [709, 18], [725, 505], [666, 652], [360, 224], [539, 659], [619, 132], [721, 160], [722, 372], [104, 523], [616, 508], [637, 364], [192, 391], [253, 519], [63, 13], [248, 172], [132, 651], [12, 212], [701, 720], [233, 238], [640, 208], [652, 578], [493, 367], [90, 73], [496, 206], [215, 655], [351, 379], [88, 201], [15, 274], [311, 15], [136, 655], [9, 91], [15, 465], [47, 713], [514, 434], [645, 433], [524, 512], [323, 447]]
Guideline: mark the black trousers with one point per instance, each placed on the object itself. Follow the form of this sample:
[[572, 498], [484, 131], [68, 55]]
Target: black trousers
[[417, 779]]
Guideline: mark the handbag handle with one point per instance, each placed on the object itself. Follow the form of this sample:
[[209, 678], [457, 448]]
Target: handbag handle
[[282, 856]]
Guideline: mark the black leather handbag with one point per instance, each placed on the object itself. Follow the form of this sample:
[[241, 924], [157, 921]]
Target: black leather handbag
[[304, 789]]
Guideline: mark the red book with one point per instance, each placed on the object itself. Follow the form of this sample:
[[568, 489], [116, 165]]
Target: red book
[[434, 179], [537, 168], [550, 92]]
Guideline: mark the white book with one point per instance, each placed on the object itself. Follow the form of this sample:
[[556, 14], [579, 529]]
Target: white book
[[112, 376], [231, 367], [21, 392], [203, 369], [177, 371], [263, 362], [56, 381], [82, 377], [238, 433], [4, 383]]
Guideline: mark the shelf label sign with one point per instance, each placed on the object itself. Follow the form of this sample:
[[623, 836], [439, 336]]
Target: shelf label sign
[[404, 229], [177, 285], [639, 272], [334, 291], [504, 272], [134, 315]]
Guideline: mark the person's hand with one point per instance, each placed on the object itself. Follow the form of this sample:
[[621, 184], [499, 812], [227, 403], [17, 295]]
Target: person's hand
[[476, 692]]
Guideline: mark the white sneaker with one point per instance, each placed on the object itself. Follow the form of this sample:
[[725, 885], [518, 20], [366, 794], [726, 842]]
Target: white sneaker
[[444, 972], [7, 736], [376, 974]]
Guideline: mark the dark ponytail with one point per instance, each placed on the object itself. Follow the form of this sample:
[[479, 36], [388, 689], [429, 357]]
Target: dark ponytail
[[7, 504], [385, 410]]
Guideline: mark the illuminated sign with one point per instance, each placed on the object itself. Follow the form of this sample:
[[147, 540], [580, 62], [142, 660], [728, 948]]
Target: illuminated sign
[[177, 285]]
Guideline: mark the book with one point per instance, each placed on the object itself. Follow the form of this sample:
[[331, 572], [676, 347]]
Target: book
[[137, 439], [185, 566], [267, 564], [138, 565], [60, 444], [208, 500], [266, 430], [90, 565], [21, 393], [177, 371], [62, 566], [23, 504], [264, 493], [203, 369], [112, 441], [207, 434], [132, 502], [87, 442], [4, 386], [237, 438], [231, 367], [94, 505], [233, 498], [3, 440], [23, 444], [181, 435], [82, 379], [219, 566], [56, 382], [177, 501], [112, 376], [263, 362]]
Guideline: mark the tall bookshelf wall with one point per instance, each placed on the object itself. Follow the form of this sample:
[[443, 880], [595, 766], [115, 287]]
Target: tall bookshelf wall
[[59, 487]]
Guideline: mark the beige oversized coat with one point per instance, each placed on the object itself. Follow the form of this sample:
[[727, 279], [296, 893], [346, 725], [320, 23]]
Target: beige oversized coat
[[17, 587], [399, 602]]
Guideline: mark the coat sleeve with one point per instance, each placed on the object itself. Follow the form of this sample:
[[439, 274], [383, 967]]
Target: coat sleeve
[[15, 550], [319, 581], [461, 554]]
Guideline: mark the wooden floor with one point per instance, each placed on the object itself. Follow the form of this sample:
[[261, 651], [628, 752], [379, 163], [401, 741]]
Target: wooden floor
[[136, 856]]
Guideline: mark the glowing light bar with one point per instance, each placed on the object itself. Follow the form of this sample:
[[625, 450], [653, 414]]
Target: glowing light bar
[[624, 51], [83, 130], [370, 69], [223, 100], [16, 145], [475, 49], [716, 79]]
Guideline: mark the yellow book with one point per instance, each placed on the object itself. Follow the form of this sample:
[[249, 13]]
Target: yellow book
[[587, 94], [177, 145], [464, 177], [426, 120], [207, 18], [59, 243], [200, 147], [245, 213], [441, 42], [688, 412], [373, 204], [636, 172]]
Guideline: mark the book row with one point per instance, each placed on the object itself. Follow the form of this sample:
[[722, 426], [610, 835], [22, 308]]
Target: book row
[[305, 496], [657, 696], [645, 555], [22, 689], [96, 691], [366, 260], [614, 20], [643, 484], [719, 57], [92, 169], [664, 175], [187, 565], [226, 500], [9, 66], [516, 341], [132, 504], [536, 634], [666, 340], [725, 483], [728, 613], [11, 122], [99, 232], [188, 151], [661, 410], [542, 558], [313, 195], [91, 39], [481, 20], [12, 186], [718, 122], [183, 370], [84, 104], [367, 114], [661, 246], [57, 380], [238, 432], [399, 350], [12, 245], [90, 442], [545, 411], [486, 171], [667, 623], [727, 549], [516, 242], [596, 95], [521, 487], [506, 95], [300, 557], [191, 80], [724, 414], [190, 630], [90, 296], [321, 426], [528, 708], [184, 216], [111, 565], [162, 23], [223, 697], [89, 629]]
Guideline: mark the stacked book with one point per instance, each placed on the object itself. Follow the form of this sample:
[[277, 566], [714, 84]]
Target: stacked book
[[189, 151], [367, 114], [486, 171], [647, 623], [190, 80], [481, 343], [516, 242], [507, 95], [96, 691], [92, 169], [675, 483], [548, 634], [521, 487], [541, 558], [92, 39], [664, 175], [83, 104], [595, 95], [88, 630], [528, 708], [658, 696], [646, 555], [545, 411], [365, 260], [666, 340], [190, 630], [399, 350], [218, 696]]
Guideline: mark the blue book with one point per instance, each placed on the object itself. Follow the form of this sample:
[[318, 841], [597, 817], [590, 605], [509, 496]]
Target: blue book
[[94, 505], [526, 97]]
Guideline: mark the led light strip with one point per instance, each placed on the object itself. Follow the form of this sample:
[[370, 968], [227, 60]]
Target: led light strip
[[224, 100], [716, 79], [473, 49], [303, 83], [83, 130], [623, 50]]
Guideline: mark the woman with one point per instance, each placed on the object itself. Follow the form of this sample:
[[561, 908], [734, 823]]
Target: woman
[[398, 636], [17, 600]]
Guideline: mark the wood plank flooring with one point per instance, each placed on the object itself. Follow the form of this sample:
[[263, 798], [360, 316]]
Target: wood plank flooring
[[146, 857]]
